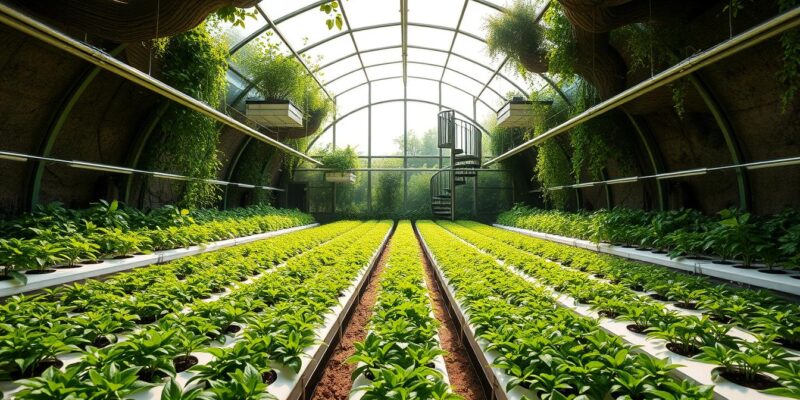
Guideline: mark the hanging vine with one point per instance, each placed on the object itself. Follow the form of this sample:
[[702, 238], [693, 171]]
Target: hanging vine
[[195, 63], [789, 74]]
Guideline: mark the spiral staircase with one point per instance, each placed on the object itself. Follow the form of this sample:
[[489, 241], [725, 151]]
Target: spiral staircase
[[464, 141]]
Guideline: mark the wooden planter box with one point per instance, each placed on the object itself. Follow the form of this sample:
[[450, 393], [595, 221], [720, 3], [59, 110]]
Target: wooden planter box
[[517, 113], [274, 113], [340, 177]]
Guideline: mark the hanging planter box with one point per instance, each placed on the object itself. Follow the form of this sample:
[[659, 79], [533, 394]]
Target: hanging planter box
[[340, 177], [518, 113], [274, 113]]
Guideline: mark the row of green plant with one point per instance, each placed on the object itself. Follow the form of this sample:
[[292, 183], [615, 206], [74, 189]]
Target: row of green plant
[[260, 326], [686, 335], [549, 350], [730, 235], [758, 311], [398, 353], [55, 237]]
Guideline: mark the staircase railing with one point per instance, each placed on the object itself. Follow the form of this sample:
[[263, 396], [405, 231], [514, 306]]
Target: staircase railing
[[464, 141]]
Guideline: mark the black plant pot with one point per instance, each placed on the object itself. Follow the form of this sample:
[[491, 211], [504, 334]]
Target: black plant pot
[[182, 363], [39, 271], [761, 382], [269, 377]]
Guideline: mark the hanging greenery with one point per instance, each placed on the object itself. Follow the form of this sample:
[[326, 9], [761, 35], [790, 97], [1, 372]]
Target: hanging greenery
[[195, 63], [514, 33], [279, 76], [559, 42], [340, 160]]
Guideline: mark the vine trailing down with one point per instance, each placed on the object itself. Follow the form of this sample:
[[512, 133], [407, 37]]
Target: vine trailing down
[[194, 62], [399, 351]]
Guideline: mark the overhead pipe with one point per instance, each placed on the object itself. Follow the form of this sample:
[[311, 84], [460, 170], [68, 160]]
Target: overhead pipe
[[25, 24], [747, 39], [114, 169]]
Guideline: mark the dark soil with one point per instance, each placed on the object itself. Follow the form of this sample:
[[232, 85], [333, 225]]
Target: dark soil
[[122, 257], [722, 262], [182, 363], [90, 262], [742, 266], [150, 376], [336, 382], [6, 278], [233, 328], [686, 306], [774, 271], [636, 288], [599, 276], [100, 342], [637, 328], [68, 266], [269, 377], [659, 252], [659, 297], [146, 320], [42, 366], [643, 249], [685, 351], [789, 344], [761, 382], [463, 377], [724, 319], [608, 314], [39, 271], [698, 258]]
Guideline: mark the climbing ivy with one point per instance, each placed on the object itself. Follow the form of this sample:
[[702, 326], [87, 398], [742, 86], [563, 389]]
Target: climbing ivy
[[195, 63], [789, 74]]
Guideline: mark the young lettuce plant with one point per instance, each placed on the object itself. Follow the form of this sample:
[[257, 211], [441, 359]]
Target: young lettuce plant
[[242, 384], [746, 364], [12, 259]]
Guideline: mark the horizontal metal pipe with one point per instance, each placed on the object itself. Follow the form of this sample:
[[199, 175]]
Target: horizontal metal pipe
[[113, 169], [749, 38], [23, 23], [781, 162]]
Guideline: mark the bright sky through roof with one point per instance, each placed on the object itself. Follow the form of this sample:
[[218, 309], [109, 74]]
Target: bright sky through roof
[[377, 35]]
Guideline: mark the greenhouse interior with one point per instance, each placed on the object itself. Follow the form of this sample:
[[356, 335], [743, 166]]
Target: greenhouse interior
[[400, 199]]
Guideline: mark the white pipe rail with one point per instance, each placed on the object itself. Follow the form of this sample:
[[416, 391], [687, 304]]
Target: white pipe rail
[[25, 24], [747, 39]]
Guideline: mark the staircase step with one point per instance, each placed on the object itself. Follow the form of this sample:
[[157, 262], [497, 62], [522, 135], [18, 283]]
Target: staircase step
[[464, 157]]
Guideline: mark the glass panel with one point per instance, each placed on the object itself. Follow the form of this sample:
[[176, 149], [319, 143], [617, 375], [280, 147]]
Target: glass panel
[[422, 123], [438, 12], [475, 70], [235, 34], [362, 13], [352, 198], [429, 37], [422, 90], [331, 50], [278, 9], [427, 56], [492, 98], [419, 192], [425, 71], [387, 162], [457, 100], [475, 18], [475, 49], [352, 131], [382, 56], [387, 129], [306, 28], [462, 82], [324, 141], [353, 99], [347, 82], [339, 68], [390, 89], [379, 37], [385, 71], [387, 191]]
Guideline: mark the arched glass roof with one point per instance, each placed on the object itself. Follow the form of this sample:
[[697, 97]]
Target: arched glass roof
[[429, 55]]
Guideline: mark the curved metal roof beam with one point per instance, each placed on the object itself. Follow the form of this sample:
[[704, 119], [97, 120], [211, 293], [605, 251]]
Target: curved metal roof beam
[[422, 78], [418, 63], [436, 50], [385, 25]]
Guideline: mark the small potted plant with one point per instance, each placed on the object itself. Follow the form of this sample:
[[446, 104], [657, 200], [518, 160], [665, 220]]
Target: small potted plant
[[340, 162]]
